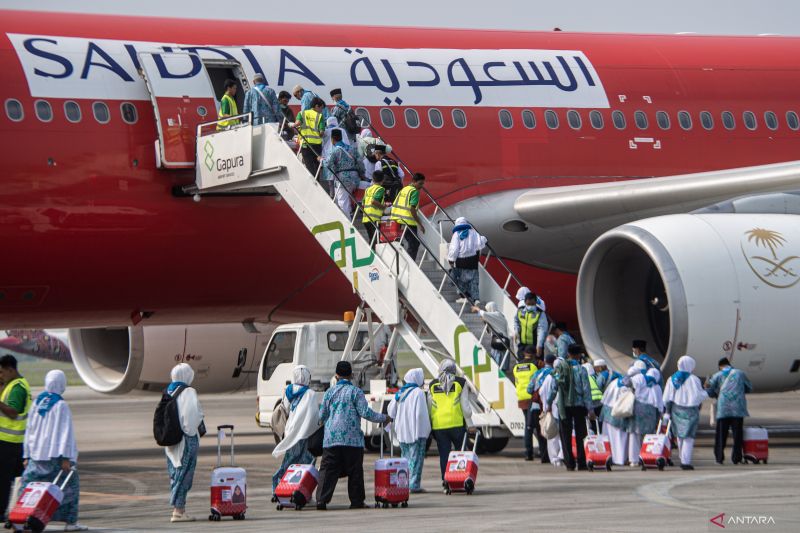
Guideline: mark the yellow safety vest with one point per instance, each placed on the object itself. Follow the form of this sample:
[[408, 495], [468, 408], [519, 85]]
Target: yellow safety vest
[[522, 376], [446, 410], [597, 394], [309, 130], [14, 430], [401, 209], [528, 322], [234, 112], [372, 213]]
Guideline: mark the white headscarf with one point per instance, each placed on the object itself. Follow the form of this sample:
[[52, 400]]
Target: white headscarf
[[304, 419], [640, 365], [654, 394], [411, 419], [599, 362], [190, 411], [447, 373], [496, 320], [467, 246], [690, 393], [521, 293], [50, 435]]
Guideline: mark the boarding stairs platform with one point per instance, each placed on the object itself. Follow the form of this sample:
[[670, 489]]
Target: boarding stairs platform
[[416, 298]]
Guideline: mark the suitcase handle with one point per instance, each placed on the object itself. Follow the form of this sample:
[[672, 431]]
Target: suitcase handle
[[220, 434], [474, 444], [66, 479]]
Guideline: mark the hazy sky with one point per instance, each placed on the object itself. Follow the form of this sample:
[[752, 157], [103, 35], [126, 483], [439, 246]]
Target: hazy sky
[[644, 16]]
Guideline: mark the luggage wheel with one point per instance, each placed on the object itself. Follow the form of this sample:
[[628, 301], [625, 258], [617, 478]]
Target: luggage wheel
[[661, 463], [590, 466], [394, 506], [404, 505], [279, 507], [385, 505], [214, 517]]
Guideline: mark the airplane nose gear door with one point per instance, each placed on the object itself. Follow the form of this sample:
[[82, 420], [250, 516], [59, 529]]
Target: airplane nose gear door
[[182, 97]]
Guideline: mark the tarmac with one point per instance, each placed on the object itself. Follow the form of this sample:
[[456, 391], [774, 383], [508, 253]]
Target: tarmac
[[124, 484]]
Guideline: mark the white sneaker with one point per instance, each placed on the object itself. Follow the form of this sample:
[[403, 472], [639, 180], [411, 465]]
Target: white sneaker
[[461, 300], [184, 517], [76, 527]]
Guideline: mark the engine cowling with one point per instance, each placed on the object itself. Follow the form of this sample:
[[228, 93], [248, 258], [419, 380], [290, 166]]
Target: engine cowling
[[709, 285], [225, 357]]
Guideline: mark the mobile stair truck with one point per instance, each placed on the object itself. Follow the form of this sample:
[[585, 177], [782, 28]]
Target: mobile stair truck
[[415, 299]]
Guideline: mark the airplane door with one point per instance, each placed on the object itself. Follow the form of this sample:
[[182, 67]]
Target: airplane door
[[182, 97]]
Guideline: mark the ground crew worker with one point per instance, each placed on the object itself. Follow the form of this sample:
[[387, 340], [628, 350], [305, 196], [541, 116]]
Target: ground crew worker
[[530, 326], [449, 405], [312, 126], [597, 392], [373, 205], [522, 377], [404, 212], [227, 106], [15, 402]]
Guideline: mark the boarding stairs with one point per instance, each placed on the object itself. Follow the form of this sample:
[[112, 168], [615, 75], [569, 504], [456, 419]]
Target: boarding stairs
[[416, 298]]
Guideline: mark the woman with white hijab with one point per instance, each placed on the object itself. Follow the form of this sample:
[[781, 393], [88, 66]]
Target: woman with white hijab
[[182, 457], [645, 415], [412, 424], [302, 404], [544, 384], [50, 447], [616, 428], [683, 396]]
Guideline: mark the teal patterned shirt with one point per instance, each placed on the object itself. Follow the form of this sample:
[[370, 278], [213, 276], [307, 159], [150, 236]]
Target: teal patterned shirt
[[342, 409], [729, 386]]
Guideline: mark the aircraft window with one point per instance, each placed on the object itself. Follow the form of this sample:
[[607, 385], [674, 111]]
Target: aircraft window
[[528, 119], [72, 111], [551, 119], [101, 113], [749, 120], [280, 350], [459, 118], [685, 120], [435, 118], [574, 119], [506, 120], [706, 120], [412, 118], [728, 120], [202, 111], [619, 120], [337, 340], [792, 120], [14, 110], [662, 119], [128, 111], [640, 117], [43, 110], [596, 118], [387, 117], [363, 114], [771, 120]]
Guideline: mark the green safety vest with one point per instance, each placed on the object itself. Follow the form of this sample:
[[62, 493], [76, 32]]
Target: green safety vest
[[597, 394], [372, 213], [528, 321], [401, 209], [14, 430], [522, 376], [309, 130], [234, 112], [446, 410]]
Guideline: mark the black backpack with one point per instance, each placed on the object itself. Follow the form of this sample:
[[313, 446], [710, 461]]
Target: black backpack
[[166, 421], [350, 123]]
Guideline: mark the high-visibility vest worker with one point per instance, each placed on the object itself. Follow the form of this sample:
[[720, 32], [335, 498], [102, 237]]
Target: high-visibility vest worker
[[597, 394], [446, 410], [373, 194], [528, 323], [13, 430], [401, 208], [310, 121], [227, 108], [522, 376]]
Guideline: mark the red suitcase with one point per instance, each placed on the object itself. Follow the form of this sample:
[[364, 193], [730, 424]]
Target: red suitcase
[[656, 451], [37, 504], [756, 445], [228, 485], [461, 472], [391, 479], [597, 448], [297, 486], [390, 230]]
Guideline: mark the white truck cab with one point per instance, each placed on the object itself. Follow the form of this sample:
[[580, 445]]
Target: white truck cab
[[319, 346]]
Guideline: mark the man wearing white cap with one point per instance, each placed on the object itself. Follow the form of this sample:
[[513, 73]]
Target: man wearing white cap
[[305, 98]]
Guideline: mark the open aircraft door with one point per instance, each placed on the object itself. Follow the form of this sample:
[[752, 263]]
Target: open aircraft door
[[182, 97]]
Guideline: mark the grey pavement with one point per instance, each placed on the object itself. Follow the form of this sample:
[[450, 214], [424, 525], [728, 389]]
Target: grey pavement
[[124, 485]]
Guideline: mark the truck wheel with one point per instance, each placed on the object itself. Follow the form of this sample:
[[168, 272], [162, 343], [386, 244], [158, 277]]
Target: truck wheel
[[493, 445]]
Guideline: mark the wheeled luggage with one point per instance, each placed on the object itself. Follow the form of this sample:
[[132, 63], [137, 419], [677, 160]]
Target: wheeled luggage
[[597, 448], [37, 503], [462, 469], [297, 486], [391, 230], [656, 451], [391, 479], [756, 445], [228, 484]]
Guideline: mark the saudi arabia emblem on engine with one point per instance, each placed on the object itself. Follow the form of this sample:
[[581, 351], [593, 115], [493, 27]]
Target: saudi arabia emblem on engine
[[765, 253]]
